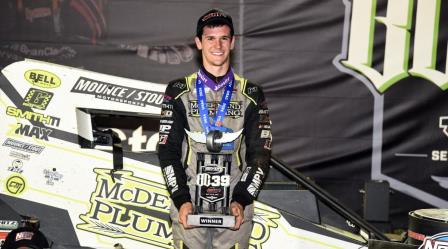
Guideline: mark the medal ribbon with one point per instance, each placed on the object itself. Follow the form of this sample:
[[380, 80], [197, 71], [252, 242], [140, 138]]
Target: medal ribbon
[[228, 81]]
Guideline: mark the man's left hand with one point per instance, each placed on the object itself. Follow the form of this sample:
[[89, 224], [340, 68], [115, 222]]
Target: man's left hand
[[237, 210]]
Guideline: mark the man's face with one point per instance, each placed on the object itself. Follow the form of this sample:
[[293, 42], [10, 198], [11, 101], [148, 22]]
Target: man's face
[[216, 45]]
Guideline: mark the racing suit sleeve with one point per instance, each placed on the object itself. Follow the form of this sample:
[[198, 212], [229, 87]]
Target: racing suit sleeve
[[258, 138], [171, 134]]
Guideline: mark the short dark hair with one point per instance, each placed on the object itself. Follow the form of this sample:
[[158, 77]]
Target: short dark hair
[[214, 18]]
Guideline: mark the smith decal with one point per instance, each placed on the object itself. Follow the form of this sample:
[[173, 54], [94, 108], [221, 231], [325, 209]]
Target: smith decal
[[129, 207]]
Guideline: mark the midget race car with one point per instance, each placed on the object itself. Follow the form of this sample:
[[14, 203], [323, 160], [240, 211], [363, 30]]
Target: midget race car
[[78, 153]]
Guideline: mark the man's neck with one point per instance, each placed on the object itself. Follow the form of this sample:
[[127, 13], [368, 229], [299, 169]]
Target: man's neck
[[217, 71], [214, 78]]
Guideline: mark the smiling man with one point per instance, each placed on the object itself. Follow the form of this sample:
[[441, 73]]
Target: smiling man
[[214, 144]]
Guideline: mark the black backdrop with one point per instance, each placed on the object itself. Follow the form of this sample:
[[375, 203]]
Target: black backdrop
[[329, 120]]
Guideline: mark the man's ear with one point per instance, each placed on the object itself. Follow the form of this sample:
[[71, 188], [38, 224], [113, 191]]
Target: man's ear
[[198, 43], [232, 44]]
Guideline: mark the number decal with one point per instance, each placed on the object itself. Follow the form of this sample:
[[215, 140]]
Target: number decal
[[207, 180]]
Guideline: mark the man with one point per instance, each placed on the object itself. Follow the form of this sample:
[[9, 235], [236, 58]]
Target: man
[[197, 111]]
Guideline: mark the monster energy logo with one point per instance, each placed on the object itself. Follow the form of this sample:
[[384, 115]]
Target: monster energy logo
[[129, 207], [398, 22]]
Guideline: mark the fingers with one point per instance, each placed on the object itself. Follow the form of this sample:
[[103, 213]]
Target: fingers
[[184, 211], [238, 212], [238, 221]]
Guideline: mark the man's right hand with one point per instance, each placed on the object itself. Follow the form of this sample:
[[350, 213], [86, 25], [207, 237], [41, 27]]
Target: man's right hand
[[184, 211]]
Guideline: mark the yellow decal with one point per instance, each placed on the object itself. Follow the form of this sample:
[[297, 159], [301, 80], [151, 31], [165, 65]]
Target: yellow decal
[[264, 219], [42, 78], [129, 207], [15, 184]]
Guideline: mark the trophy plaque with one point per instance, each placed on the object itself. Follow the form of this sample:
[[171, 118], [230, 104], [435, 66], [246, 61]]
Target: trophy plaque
[[212, 191]]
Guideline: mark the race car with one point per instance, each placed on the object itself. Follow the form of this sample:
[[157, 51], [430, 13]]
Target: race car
[[78, 153]]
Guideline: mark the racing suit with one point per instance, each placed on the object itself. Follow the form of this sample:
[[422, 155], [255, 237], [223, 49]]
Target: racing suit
[[178, 154]]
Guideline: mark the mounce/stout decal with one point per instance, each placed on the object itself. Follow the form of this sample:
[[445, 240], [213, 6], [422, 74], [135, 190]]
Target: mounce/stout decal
[[117, 93]]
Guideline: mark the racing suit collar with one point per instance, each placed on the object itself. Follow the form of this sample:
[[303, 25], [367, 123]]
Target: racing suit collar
[[215, 79]]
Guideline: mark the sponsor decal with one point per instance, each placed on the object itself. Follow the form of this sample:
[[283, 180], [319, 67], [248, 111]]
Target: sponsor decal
[[16, 166], [36, 98], [19, 51], [166, 113], [264, 126], [129, 207], [19, 155], [255, 185], [33, 116], [52, 176], [210, 221], [172, 55], [33, 131], [265, 134], [42, 78], [170, 178], [233, 111], [164, 129], [438, 241], [264, 220], [267, 144], [8, 224], [117, 93], [443, 124], [136, 139], [180, 85], [251, 90], [163, 138], [264, 119], [245, 174], [19, 145], [263, 111], [216, 169], [15, 184], [167, 106], [24, 235]]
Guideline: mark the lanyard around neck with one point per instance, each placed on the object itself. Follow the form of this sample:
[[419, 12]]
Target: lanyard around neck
[[223, 105]]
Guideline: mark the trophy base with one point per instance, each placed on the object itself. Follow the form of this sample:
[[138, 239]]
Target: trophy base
[[210, 220]]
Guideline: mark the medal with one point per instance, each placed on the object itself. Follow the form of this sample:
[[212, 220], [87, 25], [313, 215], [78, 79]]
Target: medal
[[217, 125]]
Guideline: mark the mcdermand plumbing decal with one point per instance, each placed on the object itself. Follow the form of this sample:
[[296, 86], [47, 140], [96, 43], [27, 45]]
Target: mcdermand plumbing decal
[[129, 207]]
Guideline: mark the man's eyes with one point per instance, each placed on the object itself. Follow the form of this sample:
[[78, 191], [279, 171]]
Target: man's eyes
[[222, 38]]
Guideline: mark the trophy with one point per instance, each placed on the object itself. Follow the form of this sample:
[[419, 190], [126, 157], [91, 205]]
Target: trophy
[[212, 187]]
